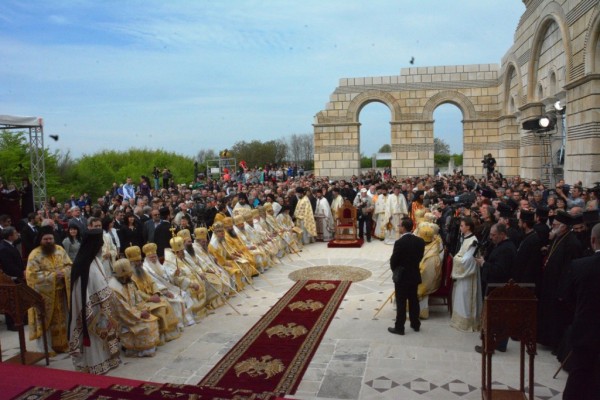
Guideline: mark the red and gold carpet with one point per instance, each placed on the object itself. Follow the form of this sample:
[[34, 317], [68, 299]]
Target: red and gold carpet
[[274, 354]]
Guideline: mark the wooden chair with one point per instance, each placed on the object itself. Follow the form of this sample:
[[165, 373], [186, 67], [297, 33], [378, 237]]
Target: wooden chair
[[444, 292], [509, 310], [346, 223]]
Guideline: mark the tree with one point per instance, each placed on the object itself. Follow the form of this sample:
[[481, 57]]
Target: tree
[[257, 153], [206, 154], [15, 161], [386, 148], [440, 147], [301, 148]]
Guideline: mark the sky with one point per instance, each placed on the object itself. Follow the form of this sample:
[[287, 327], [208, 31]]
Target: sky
[[189, 75]]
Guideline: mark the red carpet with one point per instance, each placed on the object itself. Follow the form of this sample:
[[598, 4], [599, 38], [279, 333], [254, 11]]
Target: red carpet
[[345, 243], [274, 354], [32, 375]]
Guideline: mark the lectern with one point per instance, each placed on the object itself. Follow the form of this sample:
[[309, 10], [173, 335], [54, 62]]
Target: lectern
[[15, 299], [509, 311]]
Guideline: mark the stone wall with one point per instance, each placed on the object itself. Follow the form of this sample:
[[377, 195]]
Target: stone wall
[[555, 56]]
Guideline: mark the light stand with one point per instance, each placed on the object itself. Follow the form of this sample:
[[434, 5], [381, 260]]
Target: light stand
[[544, 127]]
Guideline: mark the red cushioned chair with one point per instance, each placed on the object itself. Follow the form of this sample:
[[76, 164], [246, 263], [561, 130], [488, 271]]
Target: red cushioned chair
[[345, 228], [445, 290]]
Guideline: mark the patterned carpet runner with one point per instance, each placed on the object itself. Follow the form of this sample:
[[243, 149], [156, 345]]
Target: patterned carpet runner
[[269, 361], [274, 354]]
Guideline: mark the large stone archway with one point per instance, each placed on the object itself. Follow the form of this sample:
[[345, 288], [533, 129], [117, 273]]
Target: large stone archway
[[555, 56], [411, 97]]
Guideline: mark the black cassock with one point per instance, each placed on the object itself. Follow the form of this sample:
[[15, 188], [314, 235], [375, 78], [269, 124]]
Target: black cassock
[[553, 315]]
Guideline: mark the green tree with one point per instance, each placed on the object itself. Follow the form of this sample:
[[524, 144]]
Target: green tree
[[257, 153], [386, 148], [96, 173], [15, 161]]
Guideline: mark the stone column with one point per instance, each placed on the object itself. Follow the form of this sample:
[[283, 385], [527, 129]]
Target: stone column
[[337, 152], [531, 144], [412, 148], [582, 158], [508, 160]]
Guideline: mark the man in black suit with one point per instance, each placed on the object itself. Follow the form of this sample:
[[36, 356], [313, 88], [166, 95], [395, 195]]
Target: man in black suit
[[498, 267], [528, 268], [11, 262], [584, 280], [150, 226], [405, 260], [29, 233], [162, 233]]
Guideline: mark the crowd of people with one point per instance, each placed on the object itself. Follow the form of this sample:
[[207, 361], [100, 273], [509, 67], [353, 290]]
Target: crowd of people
[[170, 253]]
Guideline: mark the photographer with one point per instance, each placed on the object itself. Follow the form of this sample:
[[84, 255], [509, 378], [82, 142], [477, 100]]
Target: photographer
[[575, 199], [489, 163], [364, 205]]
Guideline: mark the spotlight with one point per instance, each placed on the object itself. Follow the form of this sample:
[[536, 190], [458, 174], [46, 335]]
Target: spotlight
[[540, 124], [559, 107]]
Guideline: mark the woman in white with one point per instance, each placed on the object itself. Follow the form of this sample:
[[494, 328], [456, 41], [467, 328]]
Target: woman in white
[[466, 295]]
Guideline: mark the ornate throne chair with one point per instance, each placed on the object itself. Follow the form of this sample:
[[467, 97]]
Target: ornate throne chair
[[345, 228]]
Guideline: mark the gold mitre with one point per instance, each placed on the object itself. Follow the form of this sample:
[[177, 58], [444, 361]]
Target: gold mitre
[[429, 217], [255, 213], [426, 233], [269, 208], [184, 234], [218, 227], [261, 211], [149, 249], [238, 219], [248, 216], [228, 222], [122, 268], [133, 253], [176, 243], [201, 233]]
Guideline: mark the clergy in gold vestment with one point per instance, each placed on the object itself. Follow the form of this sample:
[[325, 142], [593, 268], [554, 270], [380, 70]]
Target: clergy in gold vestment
[[212, 284], [430, 268], [138, 328], [304, 217], [208, 263], [181, 273], [179, 299], [48, 272], [237, 249], [217, 248], [151, 294]]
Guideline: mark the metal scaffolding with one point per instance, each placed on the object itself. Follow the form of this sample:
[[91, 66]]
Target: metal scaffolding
[[36, 152]]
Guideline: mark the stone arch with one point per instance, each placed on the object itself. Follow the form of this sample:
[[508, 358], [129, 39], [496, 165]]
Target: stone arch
[[512, 65], [553, 12], [591, 43], [371, 96], [449, 96]]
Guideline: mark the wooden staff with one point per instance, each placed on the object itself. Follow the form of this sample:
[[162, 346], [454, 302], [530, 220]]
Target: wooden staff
[[210, 269], [254, 269], [248, 280], [384, 303]]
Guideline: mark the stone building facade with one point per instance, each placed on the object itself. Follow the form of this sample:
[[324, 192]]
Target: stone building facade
[[555, 57]]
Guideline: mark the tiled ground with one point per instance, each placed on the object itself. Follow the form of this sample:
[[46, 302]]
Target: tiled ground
[[358, 358]]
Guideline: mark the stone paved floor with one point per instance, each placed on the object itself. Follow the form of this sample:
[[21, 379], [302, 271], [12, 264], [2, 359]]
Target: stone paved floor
[[358, 358]]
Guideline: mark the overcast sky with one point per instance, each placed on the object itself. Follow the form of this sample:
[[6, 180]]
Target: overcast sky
[[189, 75]]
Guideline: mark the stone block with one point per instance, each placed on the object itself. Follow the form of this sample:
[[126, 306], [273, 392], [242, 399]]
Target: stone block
[[336, 156]]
